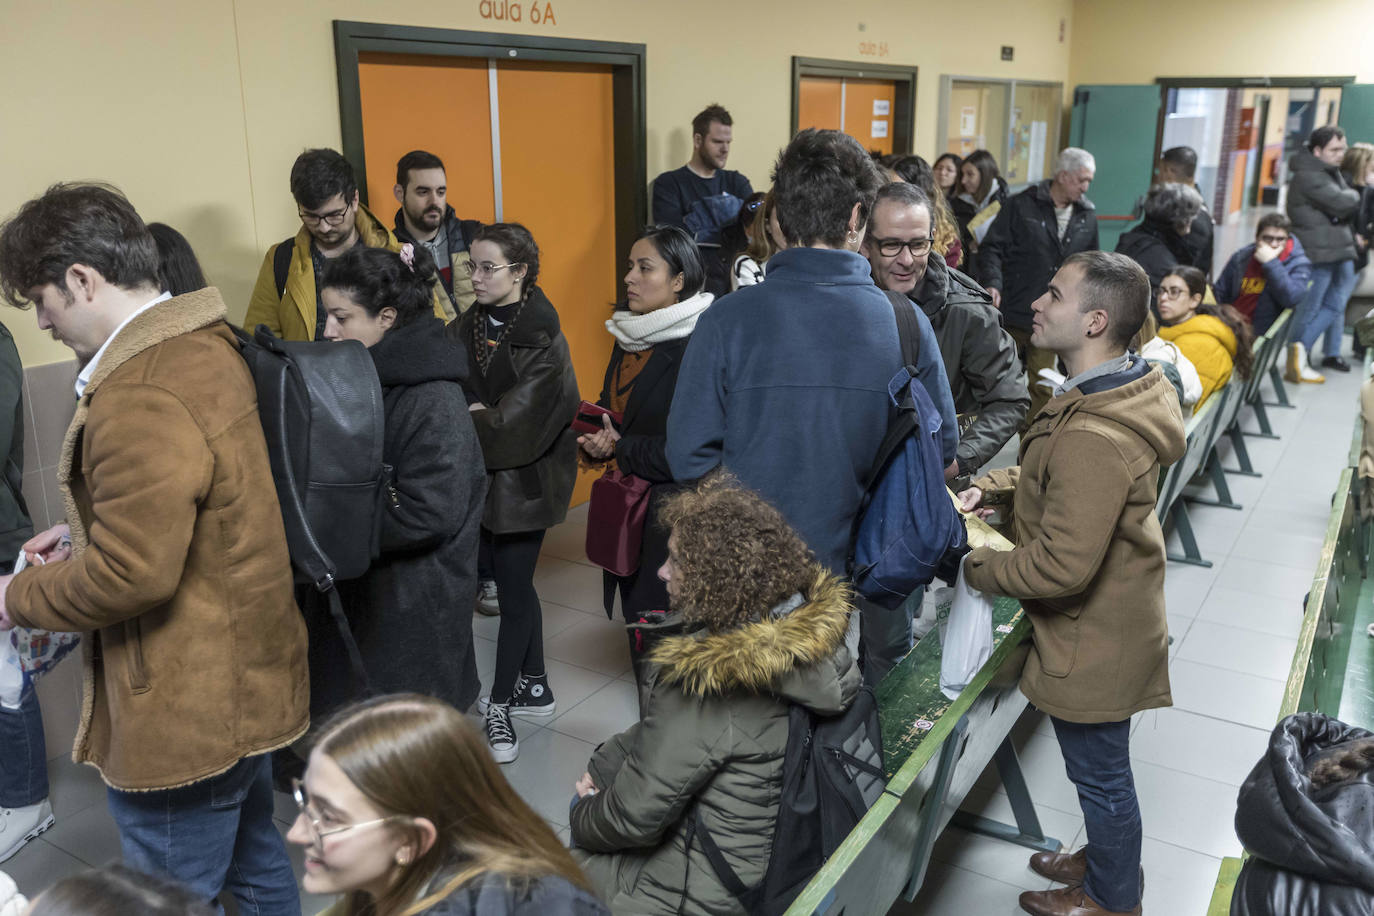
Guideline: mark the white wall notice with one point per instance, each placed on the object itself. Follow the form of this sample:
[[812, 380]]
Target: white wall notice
[[881, 107], [1035, 167], [879, 129]]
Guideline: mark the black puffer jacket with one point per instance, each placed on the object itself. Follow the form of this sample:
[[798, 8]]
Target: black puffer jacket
[[980, 362], [411, 613], [531, 397], [1023, 249], [1321, 206], [1312, 849]]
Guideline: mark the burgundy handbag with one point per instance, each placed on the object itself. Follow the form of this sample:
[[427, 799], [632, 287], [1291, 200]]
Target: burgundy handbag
[[615, 521]]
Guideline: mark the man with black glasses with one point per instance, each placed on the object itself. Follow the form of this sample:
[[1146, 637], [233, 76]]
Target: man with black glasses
[[286, 297], [979, 356]]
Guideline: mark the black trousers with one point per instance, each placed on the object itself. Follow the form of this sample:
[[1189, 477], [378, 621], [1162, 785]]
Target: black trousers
[[520, 639]]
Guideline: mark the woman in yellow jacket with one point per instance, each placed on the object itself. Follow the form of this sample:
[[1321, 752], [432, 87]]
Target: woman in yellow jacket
[[1217, 339]]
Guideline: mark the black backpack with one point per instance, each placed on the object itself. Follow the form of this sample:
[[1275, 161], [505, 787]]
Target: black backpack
[[322, 414], [832, 773]]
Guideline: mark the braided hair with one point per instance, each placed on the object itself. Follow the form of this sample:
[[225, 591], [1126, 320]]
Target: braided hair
[[517, 247]]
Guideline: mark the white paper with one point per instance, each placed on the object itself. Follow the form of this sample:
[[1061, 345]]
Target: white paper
[[968, 121], [881, 107], [879, 129], [1035, 167]]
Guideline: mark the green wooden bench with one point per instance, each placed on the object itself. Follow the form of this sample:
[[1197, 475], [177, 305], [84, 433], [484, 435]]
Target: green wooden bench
[[1171, 508], [1332, 671], [934, 750], [1270, 349]]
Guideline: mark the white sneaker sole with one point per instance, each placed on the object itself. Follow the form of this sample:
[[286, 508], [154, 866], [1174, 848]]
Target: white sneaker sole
[[519, 712], [43, 825], [505, 754]]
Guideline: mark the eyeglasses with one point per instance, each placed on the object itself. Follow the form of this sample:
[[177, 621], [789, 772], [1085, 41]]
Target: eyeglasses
[[890, 248], [1173, 292], [332, 218], [1274, 239], [486, 268], [316, 825]]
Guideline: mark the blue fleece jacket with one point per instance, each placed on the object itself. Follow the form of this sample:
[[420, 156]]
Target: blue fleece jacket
[[785, 384]]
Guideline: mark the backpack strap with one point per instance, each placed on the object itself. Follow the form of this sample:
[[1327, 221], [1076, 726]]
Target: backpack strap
[[281, 263], [696, 829], [908, 328]]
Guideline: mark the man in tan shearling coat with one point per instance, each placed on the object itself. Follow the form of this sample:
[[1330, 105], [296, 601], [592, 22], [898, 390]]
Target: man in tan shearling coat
[[177, 571], [1088, 566]]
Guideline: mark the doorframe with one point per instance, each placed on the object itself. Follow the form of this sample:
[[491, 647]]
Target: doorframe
[[947, 81], [903, 103], [626, 60]]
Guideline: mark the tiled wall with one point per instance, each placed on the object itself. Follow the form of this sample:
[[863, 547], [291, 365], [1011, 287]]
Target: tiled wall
[[49, 403]]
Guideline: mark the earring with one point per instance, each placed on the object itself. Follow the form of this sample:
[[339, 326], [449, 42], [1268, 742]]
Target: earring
[[852, 237], [402, 859]]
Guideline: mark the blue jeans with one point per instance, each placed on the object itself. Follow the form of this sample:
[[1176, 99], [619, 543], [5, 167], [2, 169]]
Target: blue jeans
[[24, 759], [214, 834], [1097, 758], [1323, 311]]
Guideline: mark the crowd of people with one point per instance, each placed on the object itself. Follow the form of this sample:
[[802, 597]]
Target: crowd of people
[[747, 392]]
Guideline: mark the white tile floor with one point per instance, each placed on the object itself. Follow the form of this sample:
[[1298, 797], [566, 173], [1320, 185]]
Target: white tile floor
[[1234, 627]]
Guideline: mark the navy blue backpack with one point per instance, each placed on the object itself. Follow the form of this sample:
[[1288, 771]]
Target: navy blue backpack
[[908, 530]]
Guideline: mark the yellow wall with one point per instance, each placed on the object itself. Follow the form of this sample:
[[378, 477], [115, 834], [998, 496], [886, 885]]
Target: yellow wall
[[1127, 41], [197, 109]]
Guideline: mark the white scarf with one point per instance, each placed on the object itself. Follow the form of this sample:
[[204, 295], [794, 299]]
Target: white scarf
[[637, 333]]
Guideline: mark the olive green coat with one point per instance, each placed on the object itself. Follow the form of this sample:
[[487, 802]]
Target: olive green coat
[[713, 734]]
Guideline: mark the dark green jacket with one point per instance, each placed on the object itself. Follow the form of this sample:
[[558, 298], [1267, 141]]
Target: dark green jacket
[[980, 362], [1322, 207], [713, 733], [15, 526]]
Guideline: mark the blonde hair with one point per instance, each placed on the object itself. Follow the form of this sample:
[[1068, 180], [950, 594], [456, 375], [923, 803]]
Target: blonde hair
[[1357, 162], [417, 757]]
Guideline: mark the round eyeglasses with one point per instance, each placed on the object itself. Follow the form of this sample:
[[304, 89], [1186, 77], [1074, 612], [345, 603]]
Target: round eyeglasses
[[486, 269], [317, 828]]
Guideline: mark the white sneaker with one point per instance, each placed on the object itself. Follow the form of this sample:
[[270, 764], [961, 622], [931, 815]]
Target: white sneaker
[[486, 599], [501, 734], [19, 825]]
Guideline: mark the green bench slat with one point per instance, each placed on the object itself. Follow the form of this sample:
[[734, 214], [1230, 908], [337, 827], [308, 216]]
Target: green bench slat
[[1357, 693], [913, 695], [1225, 887]]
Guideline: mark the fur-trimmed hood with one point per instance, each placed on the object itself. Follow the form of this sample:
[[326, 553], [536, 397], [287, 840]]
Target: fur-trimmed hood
[[799, 656]]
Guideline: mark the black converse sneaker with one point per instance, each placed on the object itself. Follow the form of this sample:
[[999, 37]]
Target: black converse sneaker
[[532, 697], [501, 734]]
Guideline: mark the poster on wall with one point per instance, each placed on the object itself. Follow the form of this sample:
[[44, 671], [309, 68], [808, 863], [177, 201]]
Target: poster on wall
[[881, 107], [878, 129], [1035, 167], [968, 121]]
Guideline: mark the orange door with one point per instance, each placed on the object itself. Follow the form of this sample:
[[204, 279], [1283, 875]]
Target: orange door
[[557, 171], [438, 104], [818, 104], [861, 108], [558, 178]]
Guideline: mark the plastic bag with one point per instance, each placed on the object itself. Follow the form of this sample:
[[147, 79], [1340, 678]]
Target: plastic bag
[[965, 634], [27, 654]]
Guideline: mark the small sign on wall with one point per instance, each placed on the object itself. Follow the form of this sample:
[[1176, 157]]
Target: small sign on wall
[[879, 129], [881, 107]]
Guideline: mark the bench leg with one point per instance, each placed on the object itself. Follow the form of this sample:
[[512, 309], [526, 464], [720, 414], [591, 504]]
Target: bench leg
[[1246, 468], [932, 808], [1027, 831], [1280, 392], [1262, 418], [1184, 526], [1223, 489]]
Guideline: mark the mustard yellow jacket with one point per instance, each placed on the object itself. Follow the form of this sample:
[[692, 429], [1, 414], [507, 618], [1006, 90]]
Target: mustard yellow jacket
[[1209, 345], [291, 316]]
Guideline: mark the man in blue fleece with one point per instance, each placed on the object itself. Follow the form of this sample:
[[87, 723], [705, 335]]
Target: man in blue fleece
[[785, 383]]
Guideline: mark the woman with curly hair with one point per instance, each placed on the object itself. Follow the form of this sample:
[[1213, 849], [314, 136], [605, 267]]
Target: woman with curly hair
[[756, 625]]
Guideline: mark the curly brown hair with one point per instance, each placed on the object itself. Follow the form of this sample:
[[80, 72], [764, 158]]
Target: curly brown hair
[[733, 553]]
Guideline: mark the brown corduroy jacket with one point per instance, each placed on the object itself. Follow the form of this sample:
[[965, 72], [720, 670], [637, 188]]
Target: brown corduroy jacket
[[196, 652], [1088, 566]]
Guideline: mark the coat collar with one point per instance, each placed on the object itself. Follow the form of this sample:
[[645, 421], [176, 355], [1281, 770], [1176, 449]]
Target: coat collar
[[159, 324], [757, 656]]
